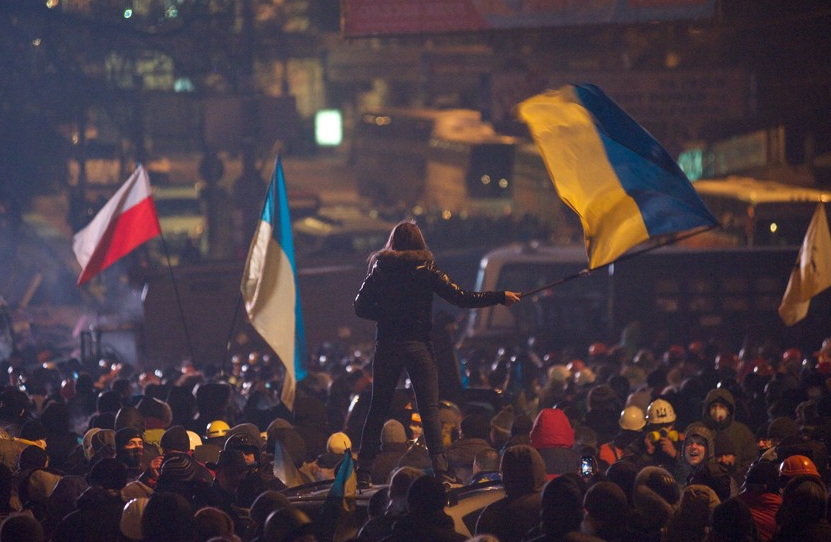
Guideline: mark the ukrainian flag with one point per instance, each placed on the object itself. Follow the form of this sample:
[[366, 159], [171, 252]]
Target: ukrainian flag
[[269, 285], [621, 182]]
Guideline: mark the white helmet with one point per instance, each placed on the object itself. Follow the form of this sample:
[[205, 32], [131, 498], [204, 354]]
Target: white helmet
[[632, 418], [131, 518], [660, 411]]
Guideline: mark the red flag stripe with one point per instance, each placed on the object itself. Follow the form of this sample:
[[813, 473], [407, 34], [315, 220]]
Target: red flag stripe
[[134, 226]]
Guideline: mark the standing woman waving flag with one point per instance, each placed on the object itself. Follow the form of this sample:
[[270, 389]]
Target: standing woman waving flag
[[398, 295]]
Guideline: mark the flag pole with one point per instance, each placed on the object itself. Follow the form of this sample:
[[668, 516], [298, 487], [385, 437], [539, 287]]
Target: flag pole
[[178, 298], [587, 272], [239, 297]]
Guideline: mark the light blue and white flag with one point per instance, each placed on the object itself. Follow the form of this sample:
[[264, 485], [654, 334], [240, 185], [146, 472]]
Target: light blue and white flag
[[269, 285]]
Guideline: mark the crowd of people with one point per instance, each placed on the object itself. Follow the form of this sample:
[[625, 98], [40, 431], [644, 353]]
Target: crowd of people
[[619, 444]]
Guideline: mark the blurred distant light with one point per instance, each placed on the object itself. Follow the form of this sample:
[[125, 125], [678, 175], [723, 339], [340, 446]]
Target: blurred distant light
[[486, 179], [672, 60], [36, 42], [328, 127], [773, 227], [183, 84], [171, 12], [53, 3], [446, 214], [128, 13], [503, 183]]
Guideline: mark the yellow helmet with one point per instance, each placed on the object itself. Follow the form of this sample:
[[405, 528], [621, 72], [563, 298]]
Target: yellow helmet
[[217, 428]]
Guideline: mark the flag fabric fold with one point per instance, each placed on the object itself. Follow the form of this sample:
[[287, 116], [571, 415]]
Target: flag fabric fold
[[283, 466], [338, 511], [269, 285], [621, 182], [126, 221], [812, 271]]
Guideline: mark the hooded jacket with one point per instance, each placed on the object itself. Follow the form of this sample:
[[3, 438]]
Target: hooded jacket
[[398, 295], [553, 437], [742, 437], [523, 476]]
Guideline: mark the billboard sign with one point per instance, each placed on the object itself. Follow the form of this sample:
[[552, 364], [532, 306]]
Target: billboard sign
[[363, 18]]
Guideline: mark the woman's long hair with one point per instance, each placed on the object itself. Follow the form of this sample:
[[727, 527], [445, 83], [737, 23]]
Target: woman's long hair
[[406, 235]]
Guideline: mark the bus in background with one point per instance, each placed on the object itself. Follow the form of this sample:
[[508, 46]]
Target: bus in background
[[441, 162], [676, 294], [390, 152], [755, 213]]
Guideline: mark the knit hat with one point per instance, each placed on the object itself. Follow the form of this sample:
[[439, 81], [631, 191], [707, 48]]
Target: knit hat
[[393, 432], [781, 428], [125, 435], [177, 468], [723, 445], [338, 443], [33, 430], [175, 438], [476, 426]]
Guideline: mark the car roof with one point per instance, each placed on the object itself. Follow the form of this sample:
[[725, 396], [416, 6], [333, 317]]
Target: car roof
[[464, 502]]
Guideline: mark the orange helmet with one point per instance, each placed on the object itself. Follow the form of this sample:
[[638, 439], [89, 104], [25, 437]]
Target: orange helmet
[[792, 354], [796, 465], [598, 349], [576, 365]]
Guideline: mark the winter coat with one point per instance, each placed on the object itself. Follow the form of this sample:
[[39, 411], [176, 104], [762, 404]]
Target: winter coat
[[742, 437], [763, 507], [97, 518], [462, 452], [553, 437], [436, 527], [386, 461], [523, 476], [398, 295]]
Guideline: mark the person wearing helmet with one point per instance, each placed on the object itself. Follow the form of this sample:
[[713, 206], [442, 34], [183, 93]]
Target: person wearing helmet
[[718, 415], [796, 465], [632, 420], [660, 445], [215, 432]]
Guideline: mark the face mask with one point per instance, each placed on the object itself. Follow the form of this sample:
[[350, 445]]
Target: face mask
[[131, 457], [719, 412]]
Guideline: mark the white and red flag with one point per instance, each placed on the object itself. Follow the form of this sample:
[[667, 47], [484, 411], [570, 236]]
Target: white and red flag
[[126, 221]]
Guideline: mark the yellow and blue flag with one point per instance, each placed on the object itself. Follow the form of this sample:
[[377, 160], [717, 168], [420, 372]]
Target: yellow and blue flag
[[338, 517], [269, 285], [621, 182]]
